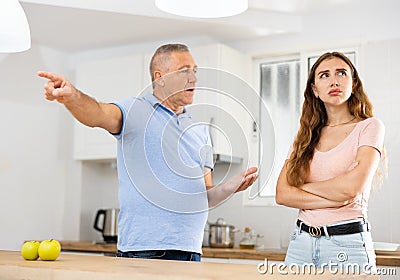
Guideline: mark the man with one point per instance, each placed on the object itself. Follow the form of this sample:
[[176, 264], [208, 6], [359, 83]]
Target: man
[[164, 159]]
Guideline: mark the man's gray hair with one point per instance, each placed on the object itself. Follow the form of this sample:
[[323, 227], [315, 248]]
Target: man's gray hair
[[161, 57]]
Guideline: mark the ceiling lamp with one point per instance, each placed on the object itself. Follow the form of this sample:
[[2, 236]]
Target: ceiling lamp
[[203, 8], [15, 35]]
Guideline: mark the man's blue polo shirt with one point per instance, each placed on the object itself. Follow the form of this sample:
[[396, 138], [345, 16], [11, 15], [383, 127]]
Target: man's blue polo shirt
[[161, 161]]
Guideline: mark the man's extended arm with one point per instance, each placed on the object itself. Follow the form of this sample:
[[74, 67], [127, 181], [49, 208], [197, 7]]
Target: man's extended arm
[[83, 107]]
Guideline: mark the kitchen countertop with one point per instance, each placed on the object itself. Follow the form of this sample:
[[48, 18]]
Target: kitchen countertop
[[384, 258], [228, 253], [84, 267]]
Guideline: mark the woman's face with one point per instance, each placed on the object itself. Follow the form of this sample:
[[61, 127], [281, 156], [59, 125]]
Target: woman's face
[[333, 81]]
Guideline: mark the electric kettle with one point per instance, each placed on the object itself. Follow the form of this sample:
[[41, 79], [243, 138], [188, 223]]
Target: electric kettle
[[108, 224]]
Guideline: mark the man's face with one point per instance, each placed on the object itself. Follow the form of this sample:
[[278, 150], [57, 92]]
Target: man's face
[[179, 80]]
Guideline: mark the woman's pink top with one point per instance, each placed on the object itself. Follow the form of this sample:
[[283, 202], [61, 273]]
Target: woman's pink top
[[337, 161]]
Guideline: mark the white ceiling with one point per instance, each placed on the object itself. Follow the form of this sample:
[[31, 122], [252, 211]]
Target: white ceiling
[[76, 25]]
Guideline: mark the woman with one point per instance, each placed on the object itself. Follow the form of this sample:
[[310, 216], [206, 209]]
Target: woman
[[330, 169]]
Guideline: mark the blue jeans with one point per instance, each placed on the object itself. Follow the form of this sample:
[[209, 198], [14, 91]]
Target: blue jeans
[[162, 255], [342, 251]]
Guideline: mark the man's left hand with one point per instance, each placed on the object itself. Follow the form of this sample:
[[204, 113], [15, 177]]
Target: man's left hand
[[242, 180]]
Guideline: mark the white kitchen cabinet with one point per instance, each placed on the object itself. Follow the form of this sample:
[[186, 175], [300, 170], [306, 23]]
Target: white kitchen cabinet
[[223, 98], [106, 80]]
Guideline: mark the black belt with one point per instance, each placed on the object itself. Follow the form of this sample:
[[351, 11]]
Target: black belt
[[350, 228]]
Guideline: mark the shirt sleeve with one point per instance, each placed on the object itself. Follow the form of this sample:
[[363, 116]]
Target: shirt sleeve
[[373, 134], [124, 106]]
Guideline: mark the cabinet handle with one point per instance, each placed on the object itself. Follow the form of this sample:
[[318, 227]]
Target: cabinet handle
[[211, 128]]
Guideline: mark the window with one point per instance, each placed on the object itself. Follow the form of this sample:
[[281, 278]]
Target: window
[[280, 90]]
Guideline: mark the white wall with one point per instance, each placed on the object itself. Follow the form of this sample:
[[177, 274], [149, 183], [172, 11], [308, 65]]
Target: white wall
[[33, 151], [381, 73], [45, 194]]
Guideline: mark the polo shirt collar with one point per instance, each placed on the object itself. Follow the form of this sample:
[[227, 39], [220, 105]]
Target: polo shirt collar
[[152, 99], [155, 102]]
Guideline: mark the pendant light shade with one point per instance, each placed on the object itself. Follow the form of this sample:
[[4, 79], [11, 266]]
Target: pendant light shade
[[203, 8], [14, 28]]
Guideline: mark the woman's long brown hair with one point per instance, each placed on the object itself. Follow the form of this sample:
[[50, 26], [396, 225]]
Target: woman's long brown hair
[[314, 118]]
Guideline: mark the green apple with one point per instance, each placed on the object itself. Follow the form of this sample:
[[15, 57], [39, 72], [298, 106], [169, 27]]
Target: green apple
[[49, 250], [29, 250]]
